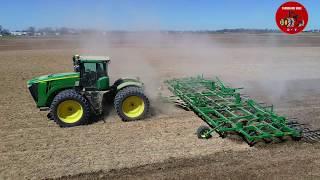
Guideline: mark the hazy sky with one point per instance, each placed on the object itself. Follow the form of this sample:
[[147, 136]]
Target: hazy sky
[[147, 14]]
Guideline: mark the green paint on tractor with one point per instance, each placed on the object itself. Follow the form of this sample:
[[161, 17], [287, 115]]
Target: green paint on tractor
[[44, 88], [71, 97]]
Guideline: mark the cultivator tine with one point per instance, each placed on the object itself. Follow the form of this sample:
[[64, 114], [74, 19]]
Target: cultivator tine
[[296, 125], [178, 102], [264, 105], [308, 135], [292, 120], [311, 136], [224, 109]]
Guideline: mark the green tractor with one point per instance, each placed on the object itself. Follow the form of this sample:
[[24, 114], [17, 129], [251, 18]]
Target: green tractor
[[73, 97]]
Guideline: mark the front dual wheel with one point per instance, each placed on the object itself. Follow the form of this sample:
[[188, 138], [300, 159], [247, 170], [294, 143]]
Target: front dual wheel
[[70, 111], [70, 108]]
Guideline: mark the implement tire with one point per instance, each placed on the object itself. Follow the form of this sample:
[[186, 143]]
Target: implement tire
[[202, 132], [131, 104], [69, 109]]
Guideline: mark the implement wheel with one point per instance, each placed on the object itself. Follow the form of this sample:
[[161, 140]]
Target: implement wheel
[[131, 104], [70, 108], [203, 132]]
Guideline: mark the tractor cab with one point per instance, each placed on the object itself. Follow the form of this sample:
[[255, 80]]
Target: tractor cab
[[93, 72]]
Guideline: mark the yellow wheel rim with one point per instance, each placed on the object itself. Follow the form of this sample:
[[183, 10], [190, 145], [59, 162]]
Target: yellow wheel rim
[[133, 106], [70, 111]]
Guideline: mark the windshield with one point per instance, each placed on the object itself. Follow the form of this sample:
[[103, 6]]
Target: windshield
[[91, 72]]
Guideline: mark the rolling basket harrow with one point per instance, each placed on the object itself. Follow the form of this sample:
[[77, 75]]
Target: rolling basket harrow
[[226, 111]]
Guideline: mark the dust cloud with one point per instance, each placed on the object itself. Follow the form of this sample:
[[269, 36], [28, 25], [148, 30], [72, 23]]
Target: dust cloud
[[143, 50], [268, 60]]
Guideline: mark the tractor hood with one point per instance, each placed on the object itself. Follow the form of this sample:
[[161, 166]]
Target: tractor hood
[[51, 77]]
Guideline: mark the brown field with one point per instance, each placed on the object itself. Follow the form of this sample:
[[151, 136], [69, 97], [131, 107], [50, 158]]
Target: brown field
[[283, 70]]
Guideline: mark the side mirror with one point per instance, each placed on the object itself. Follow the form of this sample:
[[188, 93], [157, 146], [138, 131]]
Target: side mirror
[[75, 58], [76, 68]]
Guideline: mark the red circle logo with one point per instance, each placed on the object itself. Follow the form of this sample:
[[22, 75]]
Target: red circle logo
[[292, 17]]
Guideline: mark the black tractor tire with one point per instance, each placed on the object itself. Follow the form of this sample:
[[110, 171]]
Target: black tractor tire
[[49, 116], [125, 93], [64, 96], [202, 132]]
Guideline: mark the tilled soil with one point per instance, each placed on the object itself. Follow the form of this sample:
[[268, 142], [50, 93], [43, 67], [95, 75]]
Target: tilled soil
[[165, 144], [283, 161]]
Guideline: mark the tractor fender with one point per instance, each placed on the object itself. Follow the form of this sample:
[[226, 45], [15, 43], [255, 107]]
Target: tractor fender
[[53, 93], [125, 82], [129, 83]]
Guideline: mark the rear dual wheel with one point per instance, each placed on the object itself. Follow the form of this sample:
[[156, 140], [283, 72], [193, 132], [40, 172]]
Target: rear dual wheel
[[131, 104]]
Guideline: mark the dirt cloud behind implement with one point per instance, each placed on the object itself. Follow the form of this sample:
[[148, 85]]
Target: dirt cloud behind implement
[[160, 55]]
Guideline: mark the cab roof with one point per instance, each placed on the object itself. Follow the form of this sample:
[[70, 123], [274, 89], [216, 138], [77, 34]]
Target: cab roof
[[93, 58]]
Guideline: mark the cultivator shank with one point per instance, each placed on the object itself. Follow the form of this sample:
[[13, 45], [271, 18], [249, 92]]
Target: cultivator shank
[[226, 111]]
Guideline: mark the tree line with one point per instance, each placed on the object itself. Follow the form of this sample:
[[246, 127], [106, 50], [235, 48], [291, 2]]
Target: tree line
[[32, 31], [4, 32], [47, 31]]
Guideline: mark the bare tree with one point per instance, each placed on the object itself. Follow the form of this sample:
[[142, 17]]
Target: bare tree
[[5, 32], [31, 31]]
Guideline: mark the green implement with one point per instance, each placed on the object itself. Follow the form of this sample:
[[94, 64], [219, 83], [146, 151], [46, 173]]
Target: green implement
[[226, 111]]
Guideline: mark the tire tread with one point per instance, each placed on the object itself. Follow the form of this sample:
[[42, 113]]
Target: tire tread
[[67, 95], [124, 93]]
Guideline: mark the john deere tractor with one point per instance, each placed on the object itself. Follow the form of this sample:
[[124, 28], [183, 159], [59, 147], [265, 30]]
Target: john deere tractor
[[73, 97]]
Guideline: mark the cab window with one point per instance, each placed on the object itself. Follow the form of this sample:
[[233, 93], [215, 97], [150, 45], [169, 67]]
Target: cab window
[[91, 72]]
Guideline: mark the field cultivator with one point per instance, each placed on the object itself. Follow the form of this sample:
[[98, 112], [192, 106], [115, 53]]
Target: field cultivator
[[226, 111]]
